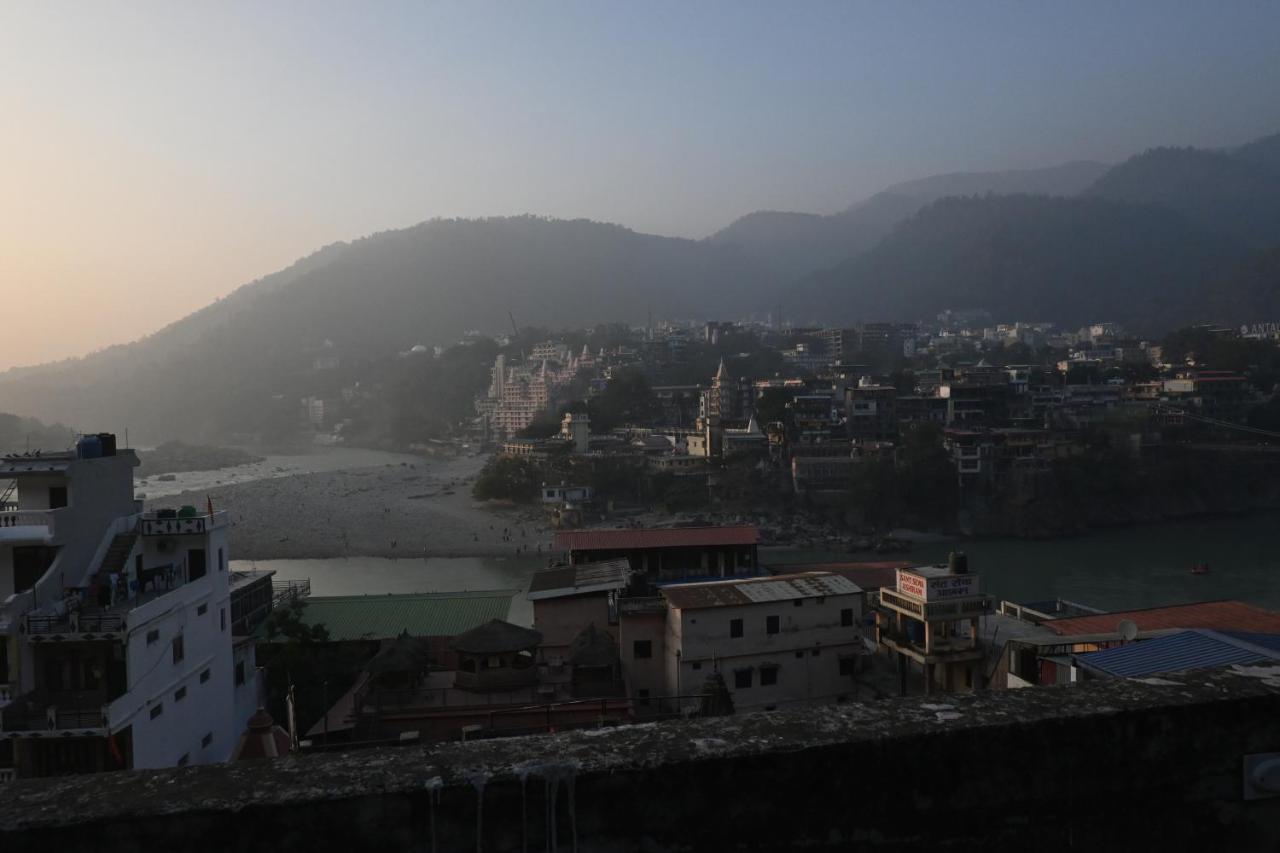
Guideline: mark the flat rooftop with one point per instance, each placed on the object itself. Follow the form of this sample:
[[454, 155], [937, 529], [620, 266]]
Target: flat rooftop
[[746, 591], [384, 617]]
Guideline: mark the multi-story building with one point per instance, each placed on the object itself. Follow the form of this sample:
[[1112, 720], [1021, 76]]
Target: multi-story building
[[116, 625], [931, 618], [776, 641], [871, 412]]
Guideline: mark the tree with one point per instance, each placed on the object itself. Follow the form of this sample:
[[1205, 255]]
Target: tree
[[627, 399], [507, 478], [301, 656]]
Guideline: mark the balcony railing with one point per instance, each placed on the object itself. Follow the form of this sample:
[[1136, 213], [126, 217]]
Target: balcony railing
[[642, 604], [79, 624], [45, 518], [27, 714]]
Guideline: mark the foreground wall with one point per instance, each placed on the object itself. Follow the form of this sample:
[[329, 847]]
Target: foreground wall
[[1116, 765]]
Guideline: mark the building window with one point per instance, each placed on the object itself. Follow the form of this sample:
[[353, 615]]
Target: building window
[[152, 636], [204, 676], [180, 694], [848, 665], [202, 609], [772, 625], [206, 740], [184, 760], [816, 652], [735, 627], [696, 665], [222, 560], [768, 676], [741, 678], [642, 649], [179, 651], [846, 617], [822, 599], [222, 618], [799, 654], [157, 710], [239, 673], [799, 602], [644, 697]]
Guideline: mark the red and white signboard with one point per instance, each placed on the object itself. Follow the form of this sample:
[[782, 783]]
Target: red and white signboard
[[942, 588]]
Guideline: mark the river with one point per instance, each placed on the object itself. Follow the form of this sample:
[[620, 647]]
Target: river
[[1123, 568]]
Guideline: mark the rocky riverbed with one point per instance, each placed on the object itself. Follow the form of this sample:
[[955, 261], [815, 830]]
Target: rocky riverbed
[[406, 509]]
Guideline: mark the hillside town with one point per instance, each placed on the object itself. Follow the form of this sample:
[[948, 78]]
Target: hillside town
[[654, 600]]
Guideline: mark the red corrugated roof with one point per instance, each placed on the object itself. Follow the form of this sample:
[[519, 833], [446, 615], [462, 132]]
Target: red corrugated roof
[[665, 537], [1214, 615]]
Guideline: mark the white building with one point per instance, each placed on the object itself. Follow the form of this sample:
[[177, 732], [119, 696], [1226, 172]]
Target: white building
[[116, 625], [777, 641]]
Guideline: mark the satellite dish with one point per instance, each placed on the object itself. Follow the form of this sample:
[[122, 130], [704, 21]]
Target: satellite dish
[[1128, 630]]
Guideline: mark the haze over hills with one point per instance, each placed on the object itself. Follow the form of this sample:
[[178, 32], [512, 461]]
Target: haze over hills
[[204, 375], [1035, 258], [1234, 193], [793, 244], [1153, 242]]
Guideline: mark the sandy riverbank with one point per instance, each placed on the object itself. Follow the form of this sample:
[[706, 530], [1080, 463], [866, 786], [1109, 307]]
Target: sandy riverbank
[[390, 510]]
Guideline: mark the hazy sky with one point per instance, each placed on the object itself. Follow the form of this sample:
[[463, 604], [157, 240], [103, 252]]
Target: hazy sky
[[154, 156]]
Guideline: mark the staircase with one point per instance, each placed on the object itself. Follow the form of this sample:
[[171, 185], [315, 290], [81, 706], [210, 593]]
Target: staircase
[[117, 556]]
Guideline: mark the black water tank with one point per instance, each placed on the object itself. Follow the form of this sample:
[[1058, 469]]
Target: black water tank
[[959, 563], [108, 440]]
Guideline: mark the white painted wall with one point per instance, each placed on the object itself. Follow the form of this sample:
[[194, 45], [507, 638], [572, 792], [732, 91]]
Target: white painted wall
[[210, 707], [806, 650]]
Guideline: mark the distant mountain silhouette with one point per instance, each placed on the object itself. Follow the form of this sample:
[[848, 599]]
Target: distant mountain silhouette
[[209, 374], [792, 244], [1068, 261], [1168, 237], [1235, 193]]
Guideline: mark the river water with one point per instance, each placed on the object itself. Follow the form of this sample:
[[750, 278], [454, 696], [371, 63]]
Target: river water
[[1112, 570], [1122, 568]]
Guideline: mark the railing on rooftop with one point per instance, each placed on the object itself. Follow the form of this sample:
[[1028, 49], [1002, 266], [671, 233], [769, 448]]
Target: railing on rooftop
[[285, 592], [969, 606], [154, 525]]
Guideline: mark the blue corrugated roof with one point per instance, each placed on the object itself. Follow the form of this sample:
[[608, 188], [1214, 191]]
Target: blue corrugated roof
[[1267, 641], [1197, 649]]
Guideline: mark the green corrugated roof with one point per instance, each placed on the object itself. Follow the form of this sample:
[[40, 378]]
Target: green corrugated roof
[[380, 617]]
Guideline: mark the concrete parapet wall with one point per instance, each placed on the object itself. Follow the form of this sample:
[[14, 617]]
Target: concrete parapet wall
[[1136, 765]]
